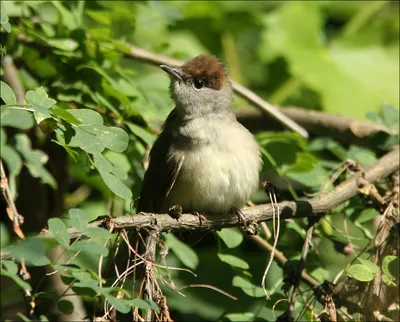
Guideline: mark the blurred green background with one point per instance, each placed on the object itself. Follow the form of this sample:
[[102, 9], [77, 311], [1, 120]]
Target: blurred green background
[[336, 56]]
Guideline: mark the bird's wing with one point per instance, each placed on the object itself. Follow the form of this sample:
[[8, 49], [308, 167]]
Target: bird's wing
[[161, 175]]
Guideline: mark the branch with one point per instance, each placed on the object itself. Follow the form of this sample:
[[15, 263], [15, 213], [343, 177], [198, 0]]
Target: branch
[[384, 167], [317, 123], [156, 59], [11, 77]]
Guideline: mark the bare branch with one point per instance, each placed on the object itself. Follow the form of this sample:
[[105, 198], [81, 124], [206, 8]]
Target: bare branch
[[383, 168], [317, 123]]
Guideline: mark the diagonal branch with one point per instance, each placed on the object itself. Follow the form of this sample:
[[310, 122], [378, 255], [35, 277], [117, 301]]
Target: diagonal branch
[[383, 168]]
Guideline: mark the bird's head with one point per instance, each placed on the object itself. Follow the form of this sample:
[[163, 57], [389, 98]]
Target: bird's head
[[200, 86]]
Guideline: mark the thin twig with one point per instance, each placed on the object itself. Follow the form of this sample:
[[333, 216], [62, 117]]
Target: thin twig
[[302, 263], [12, 211], [12, 78]]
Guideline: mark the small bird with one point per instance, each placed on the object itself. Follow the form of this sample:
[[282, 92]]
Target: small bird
[[204, 160]]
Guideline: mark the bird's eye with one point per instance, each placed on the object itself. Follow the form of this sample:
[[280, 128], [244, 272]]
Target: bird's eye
[[198, 84]]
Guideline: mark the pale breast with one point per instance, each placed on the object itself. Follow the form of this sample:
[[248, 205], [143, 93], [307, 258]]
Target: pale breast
[[219, 172]]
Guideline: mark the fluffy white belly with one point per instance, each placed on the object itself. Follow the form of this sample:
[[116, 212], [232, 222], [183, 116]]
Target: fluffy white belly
[[218, 176]]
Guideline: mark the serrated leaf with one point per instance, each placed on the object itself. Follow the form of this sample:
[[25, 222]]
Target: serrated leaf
[[249, 288], [16, 118], [65, 306], [59, 231], [232, 237], [7, 94], [184, 253], [360, 272], [78, 219], [233, 261]]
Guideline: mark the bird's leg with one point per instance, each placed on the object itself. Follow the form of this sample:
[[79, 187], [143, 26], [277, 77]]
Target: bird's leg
[[201, 217], [240, 215]]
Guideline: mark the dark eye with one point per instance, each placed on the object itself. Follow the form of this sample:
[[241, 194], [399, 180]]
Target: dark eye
[[198, 84]]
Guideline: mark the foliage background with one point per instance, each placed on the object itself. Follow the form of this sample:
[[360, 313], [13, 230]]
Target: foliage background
[[81, 145]]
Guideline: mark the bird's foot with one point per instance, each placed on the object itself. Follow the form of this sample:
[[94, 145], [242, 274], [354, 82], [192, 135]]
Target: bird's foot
[[249, 227], [175, 212], [201, 217]]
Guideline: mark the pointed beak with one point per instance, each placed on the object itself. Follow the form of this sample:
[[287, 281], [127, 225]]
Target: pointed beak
[[175, 72]]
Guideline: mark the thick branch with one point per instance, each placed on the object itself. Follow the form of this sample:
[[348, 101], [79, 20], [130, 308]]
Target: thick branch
[[384, 167]]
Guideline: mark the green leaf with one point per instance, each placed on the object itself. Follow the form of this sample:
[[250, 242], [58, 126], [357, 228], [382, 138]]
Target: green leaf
[[34, 160], [12, 159], [87, 116], [4, 18], [232, 237], [140, 132], [59, 231], [33, 250], [240, 317], [341, 72], [386, 279], [144, 304], [23, 317], [233, 261], [41, 103], [10, 266], [121, 305], [65, 306], [16, 118], [371, 266], [360, 272], [361, 155], [107, 172], [90, 246], [7, 94], [67, 17], [97, 232], [249, 288], [185, 253], [63, 44], [390, 267], [65, 115], [17, 280], [78, 219]]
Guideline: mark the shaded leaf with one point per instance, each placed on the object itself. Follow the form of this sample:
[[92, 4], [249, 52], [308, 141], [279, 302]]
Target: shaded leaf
[[185, 253], [65, 306], [249, 288], [16, 118], [233, 261], [232, 237], [360, 272], [78, 219], [59, 231], [7, 94]]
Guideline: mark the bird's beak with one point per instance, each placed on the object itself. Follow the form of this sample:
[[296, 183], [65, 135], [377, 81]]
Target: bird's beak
[[175, 72]]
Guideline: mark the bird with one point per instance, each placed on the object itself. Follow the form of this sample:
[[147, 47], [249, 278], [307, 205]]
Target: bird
[[204, 160]]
